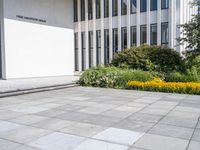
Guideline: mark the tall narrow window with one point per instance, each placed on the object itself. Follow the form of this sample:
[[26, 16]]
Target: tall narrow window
[[133, 36], [75, 11], [164, 4], [106, 8], [90, 15], [90, 48], [98, 9], [124, 38], [124, 7], [115, 7], [154, 5], [82, 10], [98, 53], [143, 34], [83, 43], [115, 41], [143, 5], [133, 6], [153, 33], [106, 46], [76, 52], [164, 33]]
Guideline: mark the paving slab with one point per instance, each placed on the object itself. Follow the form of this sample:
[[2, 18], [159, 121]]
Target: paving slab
[[145, 117], [196, 136], [194, 145], [8, 145]]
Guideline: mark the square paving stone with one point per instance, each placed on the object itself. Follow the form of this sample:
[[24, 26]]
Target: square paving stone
[[24, 147], [119, 136], [51, 113], [7, 126], [29, 110], [7, 114], [99, 145], [8, 145], [135, 148], [196, 136], [83, 129], [57, 141], [24, 134], [172, 131], [28, 119], [116, 113], [145, 117], [198, 126], [187, 109], [157, 142], [128, 109], [194, 145], [155, 111], [93, 110], [185, 115]]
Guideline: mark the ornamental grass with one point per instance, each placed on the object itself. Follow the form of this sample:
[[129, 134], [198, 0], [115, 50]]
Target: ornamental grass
[[162, 86]]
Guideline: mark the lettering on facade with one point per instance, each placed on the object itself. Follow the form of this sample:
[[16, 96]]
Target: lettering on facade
[[31, 18]]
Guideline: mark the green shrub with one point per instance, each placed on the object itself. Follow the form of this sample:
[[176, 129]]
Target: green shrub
[[193, 62], [112, 77]]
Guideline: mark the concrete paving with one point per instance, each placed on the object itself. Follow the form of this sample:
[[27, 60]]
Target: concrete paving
[[82, 118]]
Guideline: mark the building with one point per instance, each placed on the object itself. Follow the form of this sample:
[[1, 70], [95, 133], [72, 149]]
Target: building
[[60, 37]]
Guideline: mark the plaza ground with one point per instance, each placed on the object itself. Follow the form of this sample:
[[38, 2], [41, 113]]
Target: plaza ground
[[82, 118]]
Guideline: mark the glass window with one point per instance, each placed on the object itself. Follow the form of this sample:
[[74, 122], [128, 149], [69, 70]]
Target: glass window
[[98, 9], [164, 4], [124, 7], [154, 4], [143, 5], [106, 8], [82, 10], [98, 53], [115, 41], [83, 51], [124, 38], [164, 33], [75, 11], [76, 52], [115, 7], [133, 36], [106, 46], [90, 49], [90, 15], [143, 34], [133, 6], [153, 34]]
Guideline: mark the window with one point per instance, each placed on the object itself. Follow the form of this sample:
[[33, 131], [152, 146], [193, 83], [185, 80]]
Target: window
[[82, 10], [75, 11], [164, 4], [164, 33], [133, 36], [124, 7], [115, 41], [90, 15], [153, 34], [98, 53], [143, 5], [106, 8], [154, 4], [106, 46], [76, 52], [90, 49], [124, 38], [115, 7], [133, 6], [83, 51], [98, 9], [143, 34]]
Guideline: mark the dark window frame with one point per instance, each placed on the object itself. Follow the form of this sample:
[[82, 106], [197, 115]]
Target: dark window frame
[[164, 43], [114, 12], [106, 46], [131, 36], [151, 39], [90, 9], [98, 9], [98, 47], [75, 10], [115, 46], [106, 8], [132, 7], [141, 26], [162, 4], [123, 39], [123, 9], [76, 53], [82, 10], [141, 6], [152, 5]]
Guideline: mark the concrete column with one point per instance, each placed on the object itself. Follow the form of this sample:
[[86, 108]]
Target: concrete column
[[110, 32], [128, 24], [79, 36], [148, 20], [94, 33], [172, 23], [159, 23], [119, 26], [102, 32], [138, 22], [86, 35]]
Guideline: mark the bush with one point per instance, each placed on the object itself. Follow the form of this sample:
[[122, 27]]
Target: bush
[[149, 58], [112, 77], [193, 62]]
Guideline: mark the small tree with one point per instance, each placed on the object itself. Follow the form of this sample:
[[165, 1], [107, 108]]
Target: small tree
[[191, 33]]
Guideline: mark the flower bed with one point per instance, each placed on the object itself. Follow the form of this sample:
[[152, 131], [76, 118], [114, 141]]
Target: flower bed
[[162, 86]]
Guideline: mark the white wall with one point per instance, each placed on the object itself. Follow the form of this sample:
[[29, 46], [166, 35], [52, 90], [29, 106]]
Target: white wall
[[36, 49]]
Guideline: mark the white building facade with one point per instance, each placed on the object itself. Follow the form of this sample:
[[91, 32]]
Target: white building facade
[[61, 37], [104, 27]]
